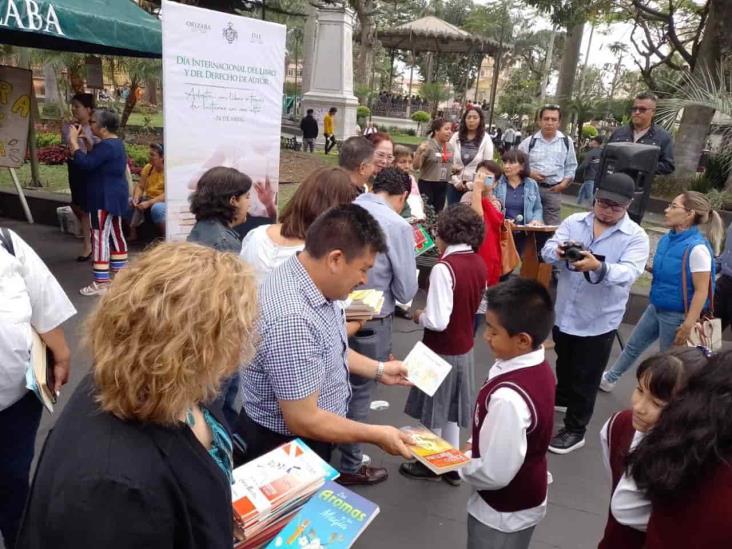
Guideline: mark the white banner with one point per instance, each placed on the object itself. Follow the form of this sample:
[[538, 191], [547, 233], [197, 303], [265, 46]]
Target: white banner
[[222, 90]]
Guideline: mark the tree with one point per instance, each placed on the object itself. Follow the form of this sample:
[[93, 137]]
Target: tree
[[434, 93], [140, 71]]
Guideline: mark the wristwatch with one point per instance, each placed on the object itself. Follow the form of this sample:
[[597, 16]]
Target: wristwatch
[[379, 372]]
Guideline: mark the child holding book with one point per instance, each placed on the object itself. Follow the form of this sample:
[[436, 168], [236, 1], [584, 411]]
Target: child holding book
[[512, 420], [414, 207], [457, 282], [660, 378]]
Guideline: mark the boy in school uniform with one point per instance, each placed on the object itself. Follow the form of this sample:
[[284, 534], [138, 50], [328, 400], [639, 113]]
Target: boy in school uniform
[[512, 421]]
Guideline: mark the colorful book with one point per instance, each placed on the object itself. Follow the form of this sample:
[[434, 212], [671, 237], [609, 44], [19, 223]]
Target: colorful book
[[435, 453], [364, 304], [334, 518], [426, 369], [423, 240]]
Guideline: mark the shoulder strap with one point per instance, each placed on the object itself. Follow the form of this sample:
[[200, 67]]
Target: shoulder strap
[[7, 241], [532, 143], [566, 143], [710, 294]]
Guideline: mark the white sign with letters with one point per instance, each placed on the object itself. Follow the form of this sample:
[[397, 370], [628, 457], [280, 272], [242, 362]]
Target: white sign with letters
[[222, 87]]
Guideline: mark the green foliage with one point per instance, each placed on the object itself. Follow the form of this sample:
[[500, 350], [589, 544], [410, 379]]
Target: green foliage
[[51, 110], [46, 139], [434, 93], [589, 131], [362, 111], [519, 95], [139, 154], [670, 186], [716, 172], [291, 88], [719, 199], [362, 91], [421, 117]]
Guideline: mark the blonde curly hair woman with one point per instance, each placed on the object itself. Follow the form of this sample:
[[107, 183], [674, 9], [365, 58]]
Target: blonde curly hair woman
[[138, 457]]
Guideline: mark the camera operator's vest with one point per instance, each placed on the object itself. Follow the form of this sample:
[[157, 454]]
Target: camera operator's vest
[[666, 291]]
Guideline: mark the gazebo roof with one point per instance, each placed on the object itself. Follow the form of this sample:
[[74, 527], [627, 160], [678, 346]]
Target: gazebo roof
[[431, 33]]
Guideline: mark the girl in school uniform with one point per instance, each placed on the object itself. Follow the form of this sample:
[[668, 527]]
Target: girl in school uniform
[[457, 283], [660, 378], [684, 465]]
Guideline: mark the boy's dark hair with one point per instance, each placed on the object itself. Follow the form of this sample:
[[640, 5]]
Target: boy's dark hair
[[667, 373], [86, 100], [492, 167], [354, 152], [598, 139], [400, 151], [309, 111], [348, 228], [393, 181], [522, 306], [215, 189], [460, 224], [515, 155]]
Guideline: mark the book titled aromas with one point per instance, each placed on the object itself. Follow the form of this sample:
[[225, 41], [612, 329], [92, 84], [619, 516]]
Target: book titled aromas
[[334, 518], [434, 452]]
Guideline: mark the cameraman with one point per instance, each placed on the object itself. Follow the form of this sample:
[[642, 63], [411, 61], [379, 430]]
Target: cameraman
[[600, 254]]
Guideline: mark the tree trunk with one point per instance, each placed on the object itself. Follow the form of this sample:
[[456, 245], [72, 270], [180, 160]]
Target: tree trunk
[[130, 103], [367, 40], [696, 121], [50, 83], [151, 91], [568, 70]]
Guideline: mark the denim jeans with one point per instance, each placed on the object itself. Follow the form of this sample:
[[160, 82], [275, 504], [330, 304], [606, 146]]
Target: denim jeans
[[653, 325], [375, 345], [453, 195], [18, 427], [586, 192]]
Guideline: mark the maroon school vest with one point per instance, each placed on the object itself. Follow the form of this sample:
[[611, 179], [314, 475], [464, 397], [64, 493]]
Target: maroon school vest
[[701, 519], [528, 488], [468, 273], [619, 436]]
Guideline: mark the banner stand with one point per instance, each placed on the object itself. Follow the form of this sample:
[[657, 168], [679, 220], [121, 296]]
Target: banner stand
[[21, 195]]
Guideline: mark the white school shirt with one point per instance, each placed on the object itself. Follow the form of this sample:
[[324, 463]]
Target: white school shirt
[[259, 251], [437, 311], [502, 443], [30, 296], [628, 504]]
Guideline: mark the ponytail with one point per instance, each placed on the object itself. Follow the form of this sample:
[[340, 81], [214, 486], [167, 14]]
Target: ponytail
[[708, 220]]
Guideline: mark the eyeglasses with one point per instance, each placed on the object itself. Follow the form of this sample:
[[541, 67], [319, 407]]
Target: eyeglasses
[[384, 156], [673, 206], [609, 205], [641, 110]]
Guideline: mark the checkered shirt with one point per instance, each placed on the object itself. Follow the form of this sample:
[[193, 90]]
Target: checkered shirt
[[551, 158], [302, 349]]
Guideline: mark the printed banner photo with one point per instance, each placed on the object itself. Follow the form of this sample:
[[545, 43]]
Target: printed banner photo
[[222, 89]]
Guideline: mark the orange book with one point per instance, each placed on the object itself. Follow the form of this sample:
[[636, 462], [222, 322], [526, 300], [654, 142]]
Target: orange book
[[434, 452]]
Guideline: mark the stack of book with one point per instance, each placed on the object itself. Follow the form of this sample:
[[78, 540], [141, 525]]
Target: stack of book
[[269, 490], [364, 304], [434, 452]]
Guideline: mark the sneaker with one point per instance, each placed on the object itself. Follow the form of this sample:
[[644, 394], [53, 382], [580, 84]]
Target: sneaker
[[605, 384], [417, 471], [452, 478], [560, 409], [565, 442], [95, 288]]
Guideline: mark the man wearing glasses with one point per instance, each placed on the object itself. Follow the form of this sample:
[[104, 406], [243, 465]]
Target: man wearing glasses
[[643, 130], [552, 161], [599, 254]]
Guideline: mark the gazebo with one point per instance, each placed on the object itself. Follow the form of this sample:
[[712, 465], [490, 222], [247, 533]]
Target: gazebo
[[435, 35]]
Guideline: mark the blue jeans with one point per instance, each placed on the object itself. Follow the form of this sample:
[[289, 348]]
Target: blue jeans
[[586, 192], [453, 195], [653, 325], [18, 427], [374, 341]]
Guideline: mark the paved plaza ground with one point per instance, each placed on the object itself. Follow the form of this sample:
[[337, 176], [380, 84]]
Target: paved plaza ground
[[413, 513]]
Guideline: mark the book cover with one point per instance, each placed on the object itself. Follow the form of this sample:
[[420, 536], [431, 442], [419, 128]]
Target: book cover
[[426, 369], [422, 240], [434, 452], [276, 478], [39, 375], [334, 517]]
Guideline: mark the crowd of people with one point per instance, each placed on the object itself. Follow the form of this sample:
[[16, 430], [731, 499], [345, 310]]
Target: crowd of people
[[210, 353]]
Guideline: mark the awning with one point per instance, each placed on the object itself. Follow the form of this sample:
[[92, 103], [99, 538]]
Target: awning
[[105, 27]]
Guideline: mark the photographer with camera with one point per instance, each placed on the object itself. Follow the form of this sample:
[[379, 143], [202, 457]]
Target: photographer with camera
[[600, 254]]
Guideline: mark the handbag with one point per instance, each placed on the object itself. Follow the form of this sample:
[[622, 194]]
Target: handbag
[[707, 330], [509, 254]]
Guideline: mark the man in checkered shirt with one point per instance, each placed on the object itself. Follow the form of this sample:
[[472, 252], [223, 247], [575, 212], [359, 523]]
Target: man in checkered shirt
[[552, 161], [297, 385]]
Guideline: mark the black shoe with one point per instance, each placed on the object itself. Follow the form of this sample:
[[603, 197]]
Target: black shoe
[[417, 471], [365, 476], [402, 313], [565, 442], [84, 258], [452, 478]]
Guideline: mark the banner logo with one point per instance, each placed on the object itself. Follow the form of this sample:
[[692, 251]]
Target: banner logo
[[230, 33]]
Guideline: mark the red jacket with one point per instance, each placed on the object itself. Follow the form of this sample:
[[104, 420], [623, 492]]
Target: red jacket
[[490, 250]]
